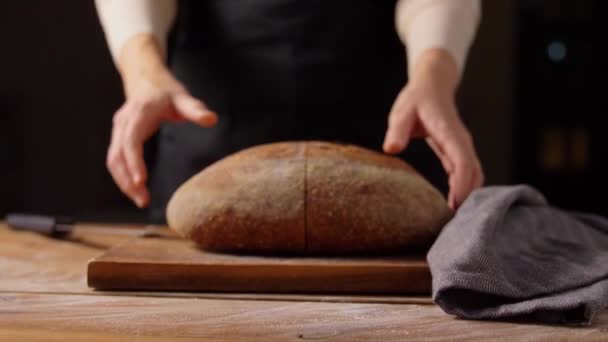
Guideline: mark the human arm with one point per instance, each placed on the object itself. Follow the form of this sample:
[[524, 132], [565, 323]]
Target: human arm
[[437, 35], [136, 31]]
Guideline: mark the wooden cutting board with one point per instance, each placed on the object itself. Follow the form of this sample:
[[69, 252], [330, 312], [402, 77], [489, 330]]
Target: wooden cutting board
[[172, 264]]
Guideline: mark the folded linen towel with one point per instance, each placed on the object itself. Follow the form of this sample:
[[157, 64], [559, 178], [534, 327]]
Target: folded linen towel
[[508, 254]]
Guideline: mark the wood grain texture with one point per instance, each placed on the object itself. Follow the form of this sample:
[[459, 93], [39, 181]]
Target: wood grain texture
[[176, 264], [33, 266], [237, 320], [37, 264]]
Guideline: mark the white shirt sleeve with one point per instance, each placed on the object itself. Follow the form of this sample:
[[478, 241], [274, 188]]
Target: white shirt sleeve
[[123, 19], [447, 24]]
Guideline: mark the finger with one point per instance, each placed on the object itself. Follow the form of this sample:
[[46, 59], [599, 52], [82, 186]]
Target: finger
[[479, 177], [194, 110], [137, 130], [140, 126], [113, 157], [401, 123], [137, 193], [445, 161], [128, 173], [461, 178], [120, 174], [133, 151], [118, 118], [461, 160], [134, 169]]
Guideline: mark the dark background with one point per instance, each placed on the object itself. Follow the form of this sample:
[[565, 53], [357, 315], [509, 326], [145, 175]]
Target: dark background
[[532, 96]]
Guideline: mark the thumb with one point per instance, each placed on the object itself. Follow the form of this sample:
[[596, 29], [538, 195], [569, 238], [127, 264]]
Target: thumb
[[194, 110]]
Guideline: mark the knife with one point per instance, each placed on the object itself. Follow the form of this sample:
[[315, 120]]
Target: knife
[[61, 227]]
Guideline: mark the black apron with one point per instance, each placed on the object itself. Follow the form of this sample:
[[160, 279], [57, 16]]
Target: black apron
[[277, 70]]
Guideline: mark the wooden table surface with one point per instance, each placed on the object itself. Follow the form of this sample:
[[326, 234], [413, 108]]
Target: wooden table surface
[[44, 297]]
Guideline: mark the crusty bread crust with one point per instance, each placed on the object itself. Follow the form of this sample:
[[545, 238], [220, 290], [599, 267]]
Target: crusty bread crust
[[250, 201], [312, 198], [360, 201]]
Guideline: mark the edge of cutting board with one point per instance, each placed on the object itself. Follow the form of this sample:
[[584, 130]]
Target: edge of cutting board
[[175, 265]]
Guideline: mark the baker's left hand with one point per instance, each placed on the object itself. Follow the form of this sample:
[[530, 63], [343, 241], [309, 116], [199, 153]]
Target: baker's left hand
[[426, 108]]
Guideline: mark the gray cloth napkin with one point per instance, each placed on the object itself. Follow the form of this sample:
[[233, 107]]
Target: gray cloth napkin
[[507, 254]]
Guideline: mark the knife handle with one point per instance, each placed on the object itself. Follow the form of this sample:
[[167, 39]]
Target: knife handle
[[47, 225]]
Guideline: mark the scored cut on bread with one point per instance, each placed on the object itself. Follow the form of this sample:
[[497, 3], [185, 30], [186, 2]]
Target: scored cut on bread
[[314, 198]]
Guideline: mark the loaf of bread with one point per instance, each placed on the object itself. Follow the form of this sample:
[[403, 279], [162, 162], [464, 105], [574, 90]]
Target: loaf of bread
[[313, 198]]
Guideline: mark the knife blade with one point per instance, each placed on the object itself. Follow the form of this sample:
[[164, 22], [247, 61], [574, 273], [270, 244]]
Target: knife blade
[[61, 227]]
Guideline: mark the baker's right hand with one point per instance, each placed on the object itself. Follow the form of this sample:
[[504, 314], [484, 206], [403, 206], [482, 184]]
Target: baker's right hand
[[153, 96]]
